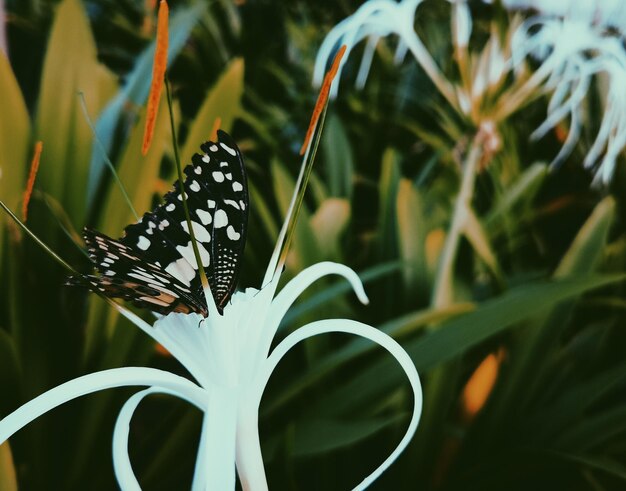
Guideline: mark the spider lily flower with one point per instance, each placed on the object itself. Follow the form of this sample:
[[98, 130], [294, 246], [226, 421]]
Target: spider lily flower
[[571, 53], [609, 13], [372, 21], [228, 355]]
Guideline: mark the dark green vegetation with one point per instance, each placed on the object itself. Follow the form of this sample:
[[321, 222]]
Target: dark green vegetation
[[540, 277]]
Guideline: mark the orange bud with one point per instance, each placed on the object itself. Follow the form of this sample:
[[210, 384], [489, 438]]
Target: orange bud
[[480, 385], [34, 167], [158, 75], [322, 98]]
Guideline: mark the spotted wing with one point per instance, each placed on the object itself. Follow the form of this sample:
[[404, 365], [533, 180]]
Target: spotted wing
[[125, 273], [217, 198]]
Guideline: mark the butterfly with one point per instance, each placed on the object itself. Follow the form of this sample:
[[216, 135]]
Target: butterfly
[[153, 264]]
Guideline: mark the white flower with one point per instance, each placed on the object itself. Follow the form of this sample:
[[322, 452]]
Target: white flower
[[229, 357], [572, 53], [609, 13], [376, 19]]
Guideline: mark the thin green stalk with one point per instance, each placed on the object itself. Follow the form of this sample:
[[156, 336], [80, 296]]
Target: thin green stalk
[[103, 151], [54, 255], [203, 278], [440, 392], [444, 282], [23, 226], [279, 256], [306, 174], [62, 220]]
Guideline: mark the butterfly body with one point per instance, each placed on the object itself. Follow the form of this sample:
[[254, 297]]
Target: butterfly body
[[153, 264]]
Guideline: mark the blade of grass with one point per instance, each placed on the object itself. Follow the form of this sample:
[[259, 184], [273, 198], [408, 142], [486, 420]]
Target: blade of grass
[[105, 157]]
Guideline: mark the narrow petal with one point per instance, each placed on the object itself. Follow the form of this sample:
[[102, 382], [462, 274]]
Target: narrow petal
[[94, 382], [358, 329], [366, 61], [121, 461], [301, 282], [216, 455]]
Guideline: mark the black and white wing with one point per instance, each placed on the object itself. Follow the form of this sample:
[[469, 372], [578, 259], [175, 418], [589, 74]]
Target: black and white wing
[[216, 190]]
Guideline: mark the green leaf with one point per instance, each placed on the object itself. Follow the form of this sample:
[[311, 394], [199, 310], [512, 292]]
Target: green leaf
[[532, 359], [14, 136], [587, 248], [8, 478], [303, 249], [328, 224], [388, 191], [140, 175], [604, 464], [594, 431], [70, 66], [319, 436], [475, 233], [411, 238], [14, 141], [337, 154], [456, 336], [523, 190], [223, 101], [401, 327], [573, 403], [136, 90], [10, 373]]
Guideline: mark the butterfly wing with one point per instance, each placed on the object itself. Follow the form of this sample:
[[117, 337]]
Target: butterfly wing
[[125, 273], [216, 190]]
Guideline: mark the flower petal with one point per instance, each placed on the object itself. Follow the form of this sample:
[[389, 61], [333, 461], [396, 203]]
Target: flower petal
[[121, 461], [292, 290], [106, 379], [358, 329]]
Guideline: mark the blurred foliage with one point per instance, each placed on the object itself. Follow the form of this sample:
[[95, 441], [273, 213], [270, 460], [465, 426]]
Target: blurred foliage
[[536, 275]]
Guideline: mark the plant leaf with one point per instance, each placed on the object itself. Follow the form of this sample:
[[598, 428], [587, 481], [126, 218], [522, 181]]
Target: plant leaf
[[456, 336], [136, 91], [223, 101], [70, 66], [8, 477]]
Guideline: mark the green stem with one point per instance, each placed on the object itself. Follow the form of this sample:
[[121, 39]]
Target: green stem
[[203, 278], [103, 151], [440, 391], [281, 249], [444, 282], [39, 242]]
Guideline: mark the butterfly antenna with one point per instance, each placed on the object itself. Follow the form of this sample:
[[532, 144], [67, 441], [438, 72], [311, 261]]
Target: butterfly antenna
[[212, 308], [103, 151]]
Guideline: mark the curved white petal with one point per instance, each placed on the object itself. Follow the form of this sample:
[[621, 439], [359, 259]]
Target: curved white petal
[[358, 329], [106, 379], [292, 290], [215, 463], [121, 461]]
